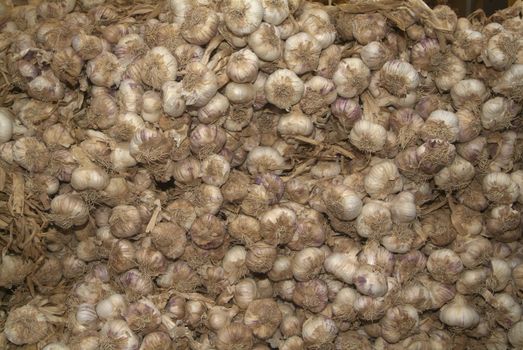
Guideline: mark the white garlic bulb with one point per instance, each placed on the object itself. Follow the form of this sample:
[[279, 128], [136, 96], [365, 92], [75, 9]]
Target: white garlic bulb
[[458, 313], [69, 210], [383, 179], [89, 178], [351, 77], [284, 88], [275, 12], [265, 42], [116, 333], [199, 84], [499, 188], [200, 25], [368, 136], [302, 53], [6, 125], [242, 17], [173, 102], [295, 123], [498, 113]]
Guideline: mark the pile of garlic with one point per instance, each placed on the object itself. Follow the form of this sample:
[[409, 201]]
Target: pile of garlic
[[259, 174]]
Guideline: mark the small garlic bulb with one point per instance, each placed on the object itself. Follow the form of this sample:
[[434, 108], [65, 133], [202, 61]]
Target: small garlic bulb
[[501, 50], [111, 307], [444, 265], [515, 334], [245, 292], [467, 44], [351, 77], [242, 17], [6, 125], [509, 84], [342, 265], [284, 88], [302, 53], [216, 108], [261, 257], [499, 188], [456, 176], [89, 178], [317, 23], [240, 93], [235, 335], [307, 263], [125, 221], [263, 317], [158, 67], [374, 54], [151, 106], [399, 78], [374, 220], [200, 25], [498, 113], [169, 238], [370, 282], [383, 179], [242, 66], [341, 202], [295, 123], [265, 42], [26, 325], [264, 159], [469, 94], [199, 84], [319, 330], [207, 232], [458, 313], [104, 70], [311, 295], [278, 225], [173, 102], [443, 125], [69, 210], [369, 27], [116, 334], [31, 154], [398, 323]]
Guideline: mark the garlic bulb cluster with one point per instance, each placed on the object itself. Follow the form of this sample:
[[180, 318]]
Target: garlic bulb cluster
[[260, 174]]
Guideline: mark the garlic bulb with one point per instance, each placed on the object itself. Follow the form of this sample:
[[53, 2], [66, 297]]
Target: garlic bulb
[[302, 53], [342, 202], [93, 178], [501, 50], [263, 317], [369, 27], [69, 210], [458, 313], [30, 154], [307, 263], [235, 334], [199, 84], [441, 125], [284, 88], [6, 125], [498, 113], [399, 78], [200, 25], [264, 159], [351, 77], [242, 66], [26, 325], [242, 17], [342, 265], [104, 70], [295, 123], [117, 334], [265, 42], [499, 188], [398, 323], [444, 265], [318, 330], [374, 54], [368, 136], [383, 179], [467, 44]]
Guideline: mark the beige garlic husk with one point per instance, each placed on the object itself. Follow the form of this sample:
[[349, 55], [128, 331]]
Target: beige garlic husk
[[149, 146], [444, 265], [219, 317], [506, 310], [284, 88], [263, 317], [472, 281], [199, 84], [215, 170], [351, 77], [368, 136], [104, 70], [375, 54], [437, 227], [31, 154], [509, 84], [265, 42], [57, 135], [207, 232], [242, 17], [117, 334], [503, 160], [29, 324], [155, 340], [206, 199], [69, 210], [129, 48], [369, 281], [125, 221], [317, 23], [498, 113], [135, 283], [245, 229], [142, 316], [234, 335], [500, 274], [499, 188], [473, 251], [173, 103], [325, 170], [467, 44], [122, 256], [179, 276], [158, 66], [447, 69], [459, 313]]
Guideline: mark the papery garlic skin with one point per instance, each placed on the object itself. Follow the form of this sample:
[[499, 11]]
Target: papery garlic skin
[[93, 178], [458, 313], [199, 84], [498, 113], [265, 42], [499, 188], [302, 53], [368, 136]]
